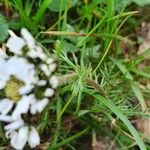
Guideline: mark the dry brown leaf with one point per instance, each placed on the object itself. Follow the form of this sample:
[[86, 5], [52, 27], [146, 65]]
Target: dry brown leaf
[[143, 47], [68, 123], [145, 35], [143, 125], [102, 143]]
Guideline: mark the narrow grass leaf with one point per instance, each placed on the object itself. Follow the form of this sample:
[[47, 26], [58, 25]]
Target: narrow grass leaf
[[3, 29], [68, 140], [41, 10], [122, 117], [132, 83]]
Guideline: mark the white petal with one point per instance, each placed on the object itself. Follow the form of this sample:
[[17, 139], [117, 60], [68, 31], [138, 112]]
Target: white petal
[[14, 138], [24, 70], [54, 82], [50, 61], [22, 107], [5, 106], [42, 83], [40, 53], [6, 118], [45, 69], [4, 76], [14, 125], [25, 89], [32, 53], [9, 134], [33, 108], [34, 138], [19, 139], [28, 38], [41, 104], [2, 84], [52, 67], [49, 92], [2, 53], [15, 44], [12, 33]]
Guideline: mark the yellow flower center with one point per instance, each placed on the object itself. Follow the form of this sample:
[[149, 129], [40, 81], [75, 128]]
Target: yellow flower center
[[12, 88]]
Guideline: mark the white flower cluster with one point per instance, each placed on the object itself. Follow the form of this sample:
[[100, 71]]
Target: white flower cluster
[[26, 85]]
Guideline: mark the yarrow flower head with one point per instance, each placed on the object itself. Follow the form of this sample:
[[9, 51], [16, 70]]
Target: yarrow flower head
[[27, 83]]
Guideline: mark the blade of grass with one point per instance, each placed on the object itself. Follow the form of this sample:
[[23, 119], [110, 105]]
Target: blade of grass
[[68, 140], [109, 44], [66, 105], [28, 7], [92, 31], [124, 14], [132, 83], [39, 14], [121, 116], [24, 18], [140, 57], [141, 73], [58, 121]]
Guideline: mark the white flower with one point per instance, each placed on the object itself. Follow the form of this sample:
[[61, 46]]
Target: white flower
[[49, 92], [50, 61], [42, 83], [25, 134], [18, 67], [52, 67], [14, 125], [3, 73], [19, 139], [33, 138], [29, 102], [38, 105], [20, 134], [3, 54], [27, 83], [22, 106], [45, 69], [15, 43], [28, 38], [5, 106], [6, 118], [53, 82], [12, 71]]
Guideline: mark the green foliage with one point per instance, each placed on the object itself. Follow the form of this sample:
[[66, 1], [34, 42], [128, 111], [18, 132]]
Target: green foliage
[[134, 85], [142, 3], [27, 19], [123, 3], [97, 85], [60, 5], [3, 29], [122, 117]]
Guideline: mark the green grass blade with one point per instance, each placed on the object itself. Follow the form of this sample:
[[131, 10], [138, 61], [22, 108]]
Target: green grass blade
[[68, 140], [141, 57], [139, 95], [3, 29], [122, 117], [41, 10], [24, 18], [123, 69], [58, 122], [141, 73], [92, 31], [132, 83]]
